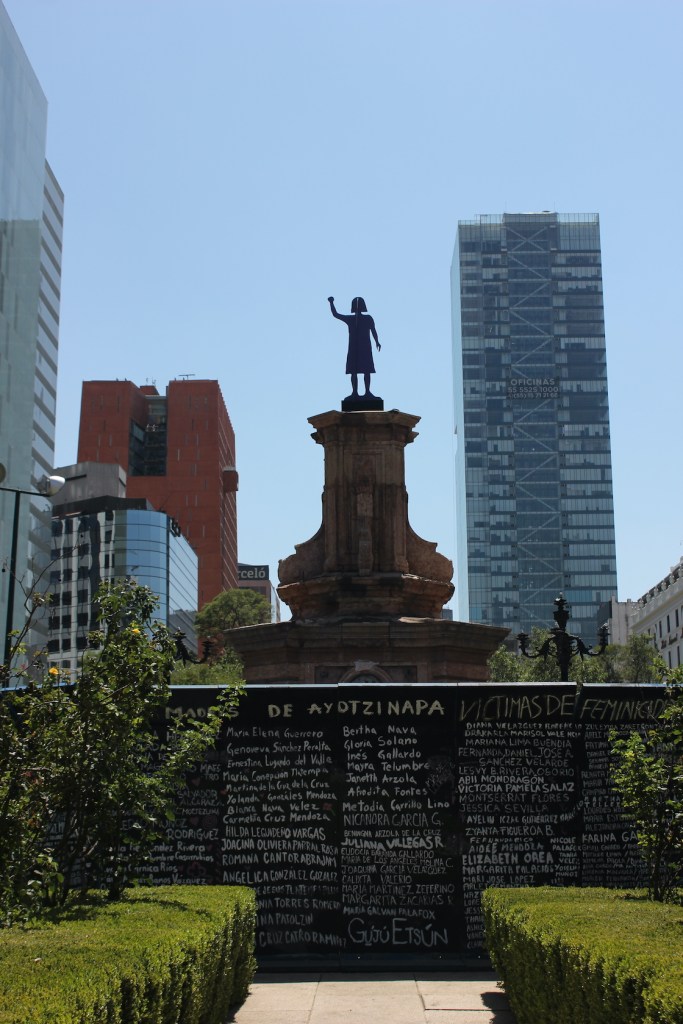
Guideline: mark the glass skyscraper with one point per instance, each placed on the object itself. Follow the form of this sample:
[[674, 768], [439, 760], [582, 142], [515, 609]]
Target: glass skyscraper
[[112, 539], [533, 463], [31, 213]]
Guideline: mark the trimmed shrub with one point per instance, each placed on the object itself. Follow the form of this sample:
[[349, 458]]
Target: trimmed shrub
[[594, 956], [163, 955]]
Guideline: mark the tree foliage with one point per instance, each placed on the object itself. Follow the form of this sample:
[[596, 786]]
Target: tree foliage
[[224, 669], [229, 610], [649, 778], [87, 775], [637, 661]]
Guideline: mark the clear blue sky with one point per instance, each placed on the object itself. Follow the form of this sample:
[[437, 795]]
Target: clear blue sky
[[228, 165]]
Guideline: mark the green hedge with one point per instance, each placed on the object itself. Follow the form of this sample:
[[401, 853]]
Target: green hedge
[[586, 956], [168, 955]]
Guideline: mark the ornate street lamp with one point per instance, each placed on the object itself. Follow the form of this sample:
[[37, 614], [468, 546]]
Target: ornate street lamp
[[565, 645], [47, 487]]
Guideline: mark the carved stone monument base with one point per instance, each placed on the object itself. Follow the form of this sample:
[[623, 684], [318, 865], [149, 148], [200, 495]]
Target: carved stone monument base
[[378, 596], [365, 560], [366, 592], [404, 650]]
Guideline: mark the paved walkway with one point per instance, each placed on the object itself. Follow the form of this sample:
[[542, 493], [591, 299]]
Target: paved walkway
[[464, 998]]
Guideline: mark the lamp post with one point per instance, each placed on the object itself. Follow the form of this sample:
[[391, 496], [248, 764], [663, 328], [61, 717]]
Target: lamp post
[[47, 487], [566, 645]]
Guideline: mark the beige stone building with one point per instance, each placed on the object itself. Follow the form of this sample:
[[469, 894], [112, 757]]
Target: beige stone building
[[659, 612]]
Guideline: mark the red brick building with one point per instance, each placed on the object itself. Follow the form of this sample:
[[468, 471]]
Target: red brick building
[[178, 451]]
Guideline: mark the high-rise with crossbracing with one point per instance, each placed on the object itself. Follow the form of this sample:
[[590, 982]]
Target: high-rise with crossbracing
[[533, 461]]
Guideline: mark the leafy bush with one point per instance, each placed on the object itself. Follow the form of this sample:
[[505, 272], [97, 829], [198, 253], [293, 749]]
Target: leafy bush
[[168, 955], [86, 786], [649, 778], [594, 956], [224, 669]]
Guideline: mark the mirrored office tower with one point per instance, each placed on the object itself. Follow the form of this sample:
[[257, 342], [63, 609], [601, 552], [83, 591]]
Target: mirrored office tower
[[102, 539], [31, 209], [533, 464]]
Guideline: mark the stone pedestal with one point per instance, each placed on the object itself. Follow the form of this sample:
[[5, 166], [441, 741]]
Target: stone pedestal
[[365, 561], [366, 592], [399, 651]]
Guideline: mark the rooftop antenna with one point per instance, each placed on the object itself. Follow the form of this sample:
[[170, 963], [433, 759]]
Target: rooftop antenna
[[186, 376]]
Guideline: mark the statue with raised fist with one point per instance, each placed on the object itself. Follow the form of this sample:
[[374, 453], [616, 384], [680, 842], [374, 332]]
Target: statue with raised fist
[[359, 356]]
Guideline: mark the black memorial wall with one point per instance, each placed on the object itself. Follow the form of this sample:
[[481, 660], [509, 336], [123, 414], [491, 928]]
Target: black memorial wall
[[369, 818]]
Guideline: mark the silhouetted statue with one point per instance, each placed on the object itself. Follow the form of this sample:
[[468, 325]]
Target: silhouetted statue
[[359, 358]]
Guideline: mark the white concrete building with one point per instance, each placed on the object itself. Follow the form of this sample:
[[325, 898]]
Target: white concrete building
[[659, 613], [616, 615]]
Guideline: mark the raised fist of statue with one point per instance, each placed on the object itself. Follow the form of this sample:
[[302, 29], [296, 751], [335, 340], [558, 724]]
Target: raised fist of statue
[[330, 298]]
